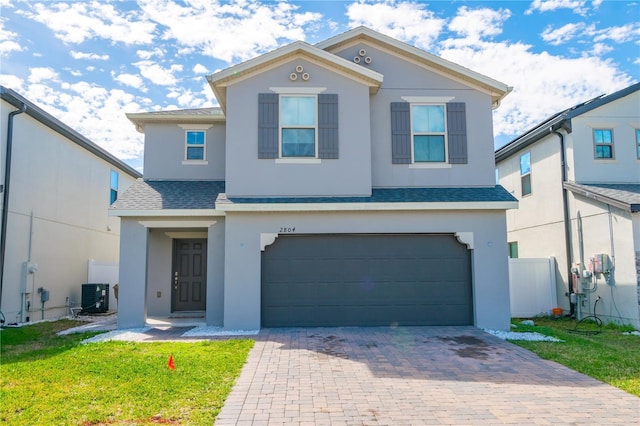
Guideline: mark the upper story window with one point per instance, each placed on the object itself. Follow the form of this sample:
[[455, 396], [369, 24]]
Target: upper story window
[[603, 143], [298, 126], [428, 133], [638, 143], [525, 173], [497, 176], [113, 194], [195, 143]]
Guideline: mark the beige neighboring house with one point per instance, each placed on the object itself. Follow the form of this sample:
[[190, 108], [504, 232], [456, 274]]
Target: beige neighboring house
[[56, 188], [586, 213]]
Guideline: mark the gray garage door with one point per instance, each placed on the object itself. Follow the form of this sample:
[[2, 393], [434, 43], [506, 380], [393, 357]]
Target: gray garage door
[[373, 280]]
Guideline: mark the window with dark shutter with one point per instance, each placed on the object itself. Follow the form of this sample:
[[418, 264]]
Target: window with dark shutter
[[268, 125], [400, 133], [328, 126], [457, 132]]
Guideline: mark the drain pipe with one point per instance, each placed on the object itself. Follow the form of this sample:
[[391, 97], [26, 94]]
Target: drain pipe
[[5, 193], [567, 219]]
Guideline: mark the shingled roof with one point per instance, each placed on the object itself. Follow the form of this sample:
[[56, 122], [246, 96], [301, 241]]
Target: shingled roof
[[169, 195], [622, 195]]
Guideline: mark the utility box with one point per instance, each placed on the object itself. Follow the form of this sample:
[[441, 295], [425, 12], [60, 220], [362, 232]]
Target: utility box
[[95, 298]]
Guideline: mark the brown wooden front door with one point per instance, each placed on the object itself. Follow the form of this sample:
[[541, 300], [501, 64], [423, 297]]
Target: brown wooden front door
[[189, 275]]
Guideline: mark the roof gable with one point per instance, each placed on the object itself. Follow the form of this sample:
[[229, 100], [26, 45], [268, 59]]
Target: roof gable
[[434, 63], [299, 49]]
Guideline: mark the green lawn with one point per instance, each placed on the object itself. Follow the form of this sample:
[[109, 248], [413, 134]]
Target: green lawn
[[609, 356], [54, 380]]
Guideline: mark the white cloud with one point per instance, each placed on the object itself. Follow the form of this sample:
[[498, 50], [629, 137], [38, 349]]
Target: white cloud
[[406, 21], [131, 80], [577, 6], [148, 54], [479, 23], [622, 34], [40, 74], [78, 21], [565, 33], [228, 30], [200, 69], [158, 75], [11, 81], [8, 39], [82, 55]]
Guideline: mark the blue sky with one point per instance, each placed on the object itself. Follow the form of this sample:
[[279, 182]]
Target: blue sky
[[89, 62]]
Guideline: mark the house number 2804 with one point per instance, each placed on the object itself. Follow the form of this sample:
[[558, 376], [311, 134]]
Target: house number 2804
[[287, 229]]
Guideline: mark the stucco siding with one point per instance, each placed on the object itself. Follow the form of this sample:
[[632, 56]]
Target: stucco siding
[[57, 218], [164, 153], [350, 174], [489, 262]]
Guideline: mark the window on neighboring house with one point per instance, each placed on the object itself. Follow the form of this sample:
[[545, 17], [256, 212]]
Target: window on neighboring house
[[513, 250], [638, 142], [603, 143], [114, 187], [195, 145], [298, 126], [497, 176], [525, 173], [428, 133]]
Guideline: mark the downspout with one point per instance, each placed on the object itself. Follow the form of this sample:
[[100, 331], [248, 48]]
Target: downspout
[[567, 219], [5, 193]]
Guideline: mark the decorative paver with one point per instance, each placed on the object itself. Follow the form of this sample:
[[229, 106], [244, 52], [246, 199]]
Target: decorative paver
[[412, 376]]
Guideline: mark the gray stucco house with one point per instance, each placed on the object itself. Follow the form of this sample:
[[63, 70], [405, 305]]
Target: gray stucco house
[[349, 182]]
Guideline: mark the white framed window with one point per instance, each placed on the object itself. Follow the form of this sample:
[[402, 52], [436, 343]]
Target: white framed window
[[428, 133], [525, 173], [298, 126], [603, 143], [195, 143], [113, 193]]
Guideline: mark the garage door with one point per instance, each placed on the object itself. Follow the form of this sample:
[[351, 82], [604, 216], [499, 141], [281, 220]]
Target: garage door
[[366, 280]]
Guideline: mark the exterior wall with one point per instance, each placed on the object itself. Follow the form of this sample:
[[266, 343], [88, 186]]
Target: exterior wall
[[164, 152], [623, 116], [403, 78], [489, 263], [132, 291], [350, 174], [538, 223], [611, 234], [59, 196], [159, 273]]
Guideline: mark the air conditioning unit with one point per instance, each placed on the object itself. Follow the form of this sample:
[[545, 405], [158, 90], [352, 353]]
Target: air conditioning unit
[[95, 298]]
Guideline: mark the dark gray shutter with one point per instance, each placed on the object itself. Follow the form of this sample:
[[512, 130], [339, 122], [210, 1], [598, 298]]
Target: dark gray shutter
[[268, 125], [457, 132], [328, 126], [400, 133]]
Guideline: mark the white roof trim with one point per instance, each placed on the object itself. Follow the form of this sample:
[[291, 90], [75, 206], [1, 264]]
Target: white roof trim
[[323, 207], [165, 212]]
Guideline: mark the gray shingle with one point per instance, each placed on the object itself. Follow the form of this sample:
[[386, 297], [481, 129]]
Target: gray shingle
[[158, 195], [623, 195]]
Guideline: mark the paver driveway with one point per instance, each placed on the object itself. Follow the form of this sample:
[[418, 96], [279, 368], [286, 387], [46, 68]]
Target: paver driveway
[[412, 376]]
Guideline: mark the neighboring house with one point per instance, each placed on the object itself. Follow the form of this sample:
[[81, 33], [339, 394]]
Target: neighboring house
[[56, 190], [345, 183], [587, 212]]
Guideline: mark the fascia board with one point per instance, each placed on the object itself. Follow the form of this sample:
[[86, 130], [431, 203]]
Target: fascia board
[[324, 207], [140, 119], [165, 213], [497, 89]]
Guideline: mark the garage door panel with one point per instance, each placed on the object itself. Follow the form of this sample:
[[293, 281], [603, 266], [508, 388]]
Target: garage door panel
[[339, 280]]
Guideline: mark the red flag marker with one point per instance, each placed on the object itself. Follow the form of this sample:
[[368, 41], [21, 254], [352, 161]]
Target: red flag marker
[[170, 364]]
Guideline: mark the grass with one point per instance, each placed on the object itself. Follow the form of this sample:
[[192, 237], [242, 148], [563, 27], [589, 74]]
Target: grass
[[608, 356], [47, 379]]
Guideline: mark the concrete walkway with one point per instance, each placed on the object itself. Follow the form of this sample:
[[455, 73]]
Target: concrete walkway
[[413, 376]]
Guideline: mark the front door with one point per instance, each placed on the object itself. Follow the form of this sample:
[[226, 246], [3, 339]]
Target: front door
[[189, 275]]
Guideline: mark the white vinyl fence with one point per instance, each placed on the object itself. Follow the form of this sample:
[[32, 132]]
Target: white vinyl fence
[[105, 272], [532, 287]]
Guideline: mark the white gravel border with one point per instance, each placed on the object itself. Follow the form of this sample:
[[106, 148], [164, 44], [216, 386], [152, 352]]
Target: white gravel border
[[528, 336], [217, 331], [130, 334]]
